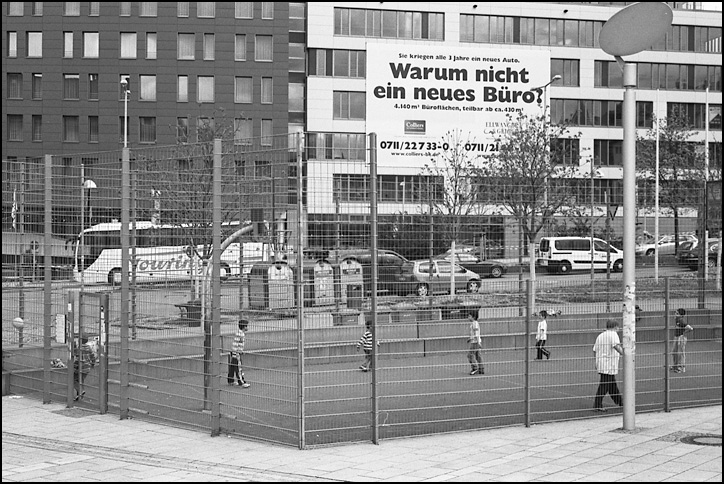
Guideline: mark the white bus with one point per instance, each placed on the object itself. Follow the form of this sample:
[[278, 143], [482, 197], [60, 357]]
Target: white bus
[[159, 254]]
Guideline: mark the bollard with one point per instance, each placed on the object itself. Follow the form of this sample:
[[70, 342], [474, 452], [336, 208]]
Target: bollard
[[19, 324]]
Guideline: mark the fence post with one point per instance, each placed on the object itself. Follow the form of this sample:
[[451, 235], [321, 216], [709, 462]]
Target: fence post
[[300, 297], [47, 276], [216, 293], [373, 297], [526, 347], [667, 321], [125, 272]]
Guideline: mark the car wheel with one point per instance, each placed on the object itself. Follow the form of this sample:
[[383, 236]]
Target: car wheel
[[422, 289], [473, 286], [618, 266], [650, 253], [114, 275], [565, 267], [496, 272]]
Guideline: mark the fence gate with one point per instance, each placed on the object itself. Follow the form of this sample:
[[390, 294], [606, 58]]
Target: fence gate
[[88, 317]]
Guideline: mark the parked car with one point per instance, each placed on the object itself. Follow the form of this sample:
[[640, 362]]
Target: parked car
[[432, 277], [390, 276], [689, 254], [666, 245], [470, 261]]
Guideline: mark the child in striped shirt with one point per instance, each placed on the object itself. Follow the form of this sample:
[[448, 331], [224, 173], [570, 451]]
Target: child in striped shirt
[[366, 343]]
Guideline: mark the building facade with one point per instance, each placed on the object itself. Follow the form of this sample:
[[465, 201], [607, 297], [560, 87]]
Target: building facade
[[277, 67]]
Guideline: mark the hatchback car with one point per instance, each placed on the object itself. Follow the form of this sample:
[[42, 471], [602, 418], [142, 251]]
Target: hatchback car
[[483, 268], [689, 255], [433, 277], [666, 245]]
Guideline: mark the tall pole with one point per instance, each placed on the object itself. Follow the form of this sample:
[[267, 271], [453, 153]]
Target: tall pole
[[656, 196], [592, 201], [373, 302], [81, 248], [300, 298], [629, 234], [705, 249]]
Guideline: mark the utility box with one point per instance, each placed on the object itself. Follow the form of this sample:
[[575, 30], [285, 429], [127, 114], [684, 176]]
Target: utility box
[[318, 284], [271, 286], [350, 283]]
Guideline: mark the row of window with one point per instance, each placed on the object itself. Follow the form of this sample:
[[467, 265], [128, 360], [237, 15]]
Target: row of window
[[680, 77], [71, 129], [389, 23], [576, 33], [243, 88], [186, 46], [243, 10]]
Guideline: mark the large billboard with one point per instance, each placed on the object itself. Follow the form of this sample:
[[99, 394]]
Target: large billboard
[[418, 93]]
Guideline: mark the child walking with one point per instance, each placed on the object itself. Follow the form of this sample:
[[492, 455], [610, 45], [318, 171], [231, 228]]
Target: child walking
[[235, 369], [541, 336], [366, 343]]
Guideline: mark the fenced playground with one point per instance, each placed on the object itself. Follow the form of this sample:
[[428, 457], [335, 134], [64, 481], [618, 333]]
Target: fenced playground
[[163, 345]]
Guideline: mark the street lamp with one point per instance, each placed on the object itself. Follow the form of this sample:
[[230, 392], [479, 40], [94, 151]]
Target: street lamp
[[126, 87], [630, 31], [85, 185]]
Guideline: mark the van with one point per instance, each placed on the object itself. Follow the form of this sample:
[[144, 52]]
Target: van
[[565, 254]]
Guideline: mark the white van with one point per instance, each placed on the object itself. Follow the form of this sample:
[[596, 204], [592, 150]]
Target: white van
[[566, 254]]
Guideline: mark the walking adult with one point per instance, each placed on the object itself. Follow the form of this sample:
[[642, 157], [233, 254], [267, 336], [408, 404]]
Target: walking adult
[[608, 350], [541, 336]]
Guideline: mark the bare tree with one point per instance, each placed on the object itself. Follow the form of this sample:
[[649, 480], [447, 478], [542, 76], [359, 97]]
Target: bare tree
[[681, 166], [528, 174], [451, 191]]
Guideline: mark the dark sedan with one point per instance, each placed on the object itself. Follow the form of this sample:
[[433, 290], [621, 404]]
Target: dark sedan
[[483, 268], [689, 254]]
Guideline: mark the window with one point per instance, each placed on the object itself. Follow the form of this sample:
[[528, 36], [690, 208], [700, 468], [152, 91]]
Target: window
[[90, 45], [15, 85], [389, 23], [243, 90], [267, 130], [205, 9], [204, 128], [128, 45], [296, 97], [15, 9], [71, 86], [297, 57], [148, 9], [267, 10], [182, 130], [68, 45], [38, 8], [92, 87], [125, 9], [608, 152], [205, 92], [15, 127], [348, 105], [263, 48], [37, 87], [93, 129], [148, 88], [243, 131], [183, 89], [71, 9], [182, 9], [186, 46], [147, 129], [244, 9], [94, 9], [13, 44], [240, 47], [151, 45], [37, 128], [208, 46], [71, 129], [267, 88], [568, 69]]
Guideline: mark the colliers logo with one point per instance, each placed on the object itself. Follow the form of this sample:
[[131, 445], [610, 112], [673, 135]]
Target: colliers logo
[[414, 127]]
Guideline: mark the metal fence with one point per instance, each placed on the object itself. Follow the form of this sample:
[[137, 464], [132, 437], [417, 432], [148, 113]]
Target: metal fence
[[265, 230]]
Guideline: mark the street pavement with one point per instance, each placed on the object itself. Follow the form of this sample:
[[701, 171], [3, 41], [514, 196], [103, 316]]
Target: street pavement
[[49, 442]]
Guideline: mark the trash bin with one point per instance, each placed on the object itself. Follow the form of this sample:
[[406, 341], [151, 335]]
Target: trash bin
[[193, 312]]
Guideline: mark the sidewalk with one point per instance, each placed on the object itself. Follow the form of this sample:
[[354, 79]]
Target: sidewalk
[[52, 443]]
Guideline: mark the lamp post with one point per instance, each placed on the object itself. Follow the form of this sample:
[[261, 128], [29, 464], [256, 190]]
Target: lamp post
[[125, 85], [631, 30], [85, 185]]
